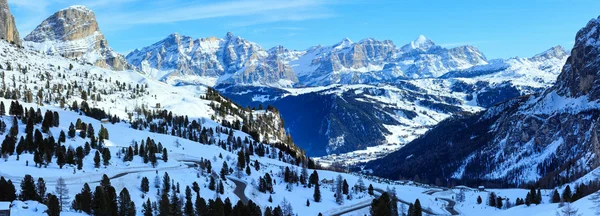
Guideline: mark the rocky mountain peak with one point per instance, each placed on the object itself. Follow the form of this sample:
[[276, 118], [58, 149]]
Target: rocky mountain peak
[[556, 52], [72, 23], [8, 29], [422, 43], [581, 74], [74, 33]]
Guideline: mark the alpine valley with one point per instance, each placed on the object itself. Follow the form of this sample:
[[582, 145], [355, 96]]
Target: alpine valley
[[223, 126]]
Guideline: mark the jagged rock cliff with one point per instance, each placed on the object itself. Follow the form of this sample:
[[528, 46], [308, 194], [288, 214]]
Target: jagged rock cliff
[[8, 29], [74, 33]]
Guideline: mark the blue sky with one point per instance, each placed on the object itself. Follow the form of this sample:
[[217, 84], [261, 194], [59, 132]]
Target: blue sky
[[500, 29]]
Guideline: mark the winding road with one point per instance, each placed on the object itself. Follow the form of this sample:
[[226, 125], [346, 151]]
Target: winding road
[[450, 206], [240, 187], [380, 191]]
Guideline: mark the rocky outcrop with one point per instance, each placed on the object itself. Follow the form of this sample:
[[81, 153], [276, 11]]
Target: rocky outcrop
[[8, 29], [581, 74], [548, 138], [74, 33]]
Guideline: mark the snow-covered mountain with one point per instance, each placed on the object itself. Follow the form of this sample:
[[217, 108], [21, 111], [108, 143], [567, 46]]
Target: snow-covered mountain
[[371, 120], [547, 138], [8, 29], [234, 60], [208, 61], [74, 33]]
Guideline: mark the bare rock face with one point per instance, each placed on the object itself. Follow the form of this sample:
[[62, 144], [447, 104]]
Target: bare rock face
[[74, 33], [581, 73], [8, 29]]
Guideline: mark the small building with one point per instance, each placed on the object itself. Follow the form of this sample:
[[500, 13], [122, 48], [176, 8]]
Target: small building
[[481, 188], [104, 120], [4, 208]]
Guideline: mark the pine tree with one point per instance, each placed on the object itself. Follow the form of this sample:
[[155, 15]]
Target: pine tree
[[41, 189], [499, 202], [84, 199], [566, 195], [492, 199], [200, 205], [555, 197], [28, 189], [71, 131], [165, 156], [164, 208], [126, 205], [224, 170], [53, 205], [175, 205], [418, 211], [371, 190], [145, 186], [212, 184], [189, 207], [106, 156], [538, 197], [100, 205], [381, 206], [345, 187], [307, 202], [147, 208], [166, 183], [317, 193], [479, 201]]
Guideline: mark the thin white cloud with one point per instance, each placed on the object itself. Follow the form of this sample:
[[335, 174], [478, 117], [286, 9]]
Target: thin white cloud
[[258, 11]]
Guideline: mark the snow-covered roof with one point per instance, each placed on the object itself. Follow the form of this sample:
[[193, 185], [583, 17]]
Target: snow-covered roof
[[4, 206]]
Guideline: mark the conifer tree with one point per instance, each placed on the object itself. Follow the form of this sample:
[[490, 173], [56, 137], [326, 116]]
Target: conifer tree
[[41, 189], [164, 205], [317, 193], [97, 159], [418, 210], [189, 207], [147, 208], [100, 205], [555, 197], [200, 205], [566, 195], [53, 205], [165, 156], [28, 189], [126, 205], [145, 186]]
